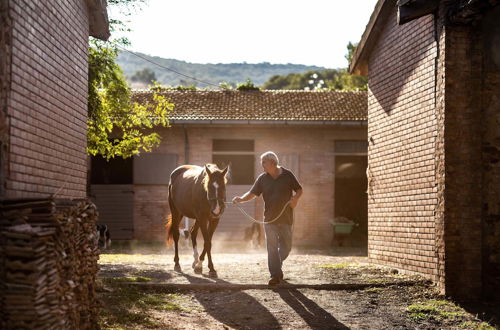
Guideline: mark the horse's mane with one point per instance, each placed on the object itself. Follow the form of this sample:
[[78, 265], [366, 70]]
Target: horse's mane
[[205, 176]]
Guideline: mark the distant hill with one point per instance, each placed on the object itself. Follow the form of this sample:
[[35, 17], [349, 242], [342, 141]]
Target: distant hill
[[233, 73]]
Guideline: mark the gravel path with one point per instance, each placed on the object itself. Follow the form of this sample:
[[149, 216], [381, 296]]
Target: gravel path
[[321, 292]]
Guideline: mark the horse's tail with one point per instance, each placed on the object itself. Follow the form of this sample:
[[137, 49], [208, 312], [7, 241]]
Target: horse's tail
[[170, 236]]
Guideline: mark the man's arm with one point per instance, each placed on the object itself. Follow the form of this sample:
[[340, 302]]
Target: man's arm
[[295, 198], [244, 198]]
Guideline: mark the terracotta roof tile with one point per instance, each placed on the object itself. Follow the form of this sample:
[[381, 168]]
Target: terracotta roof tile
[[265, 105]]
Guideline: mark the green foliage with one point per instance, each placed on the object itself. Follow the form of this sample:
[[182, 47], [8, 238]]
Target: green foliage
[[130, 279], [247, 86], [346, 81], [226, 85], [145, 75], [435, 309], [336, 79], [232, 73], [130, 307], [115, 125], [351, 48], [336, 266], [156, 87]]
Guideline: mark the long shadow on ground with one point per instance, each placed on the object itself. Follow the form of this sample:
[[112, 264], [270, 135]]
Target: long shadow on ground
[[315, 316], [486, 310], [231, 307], [124, 270]]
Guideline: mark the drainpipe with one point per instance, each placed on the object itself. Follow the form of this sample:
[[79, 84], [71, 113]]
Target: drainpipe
[[186, 145]]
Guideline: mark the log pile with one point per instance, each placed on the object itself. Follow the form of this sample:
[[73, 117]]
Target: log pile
[[48, 264]]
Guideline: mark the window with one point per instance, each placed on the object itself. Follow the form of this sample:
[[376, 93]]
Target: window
[[239, 154], [351, 147], [115, 171], [152, 168]]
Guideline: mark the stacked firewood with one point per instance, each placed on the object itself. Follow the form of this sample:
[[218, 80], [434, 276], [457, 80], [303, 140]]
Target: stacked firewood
[[48, 264]]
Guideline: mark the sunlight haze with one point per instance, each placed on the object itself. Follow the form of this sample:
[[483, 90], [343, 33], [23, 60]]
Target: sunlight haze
[[315, 32]]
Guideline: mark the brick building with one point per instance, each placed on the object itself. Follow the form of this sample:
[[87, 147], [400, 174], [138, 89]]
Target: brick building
[[434, 140], [320, 136], [43, 95]]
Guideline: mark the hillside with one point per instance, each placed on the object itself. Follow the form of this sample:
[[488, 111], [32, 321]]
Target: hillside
[[214, 73]]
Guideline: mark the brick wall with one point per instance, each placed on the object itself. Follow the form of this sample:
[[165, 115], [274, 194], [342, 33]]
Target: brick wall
[[48, 99], [462, 141], [402, 132], [433, 155], [440, 154], [491, 153], [312, 145]]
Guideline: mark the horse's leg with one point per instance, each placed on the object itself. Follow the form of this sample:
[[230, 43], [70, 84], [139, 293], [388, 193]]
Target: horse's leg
[[212, 225], [197, 264], [176, 219]]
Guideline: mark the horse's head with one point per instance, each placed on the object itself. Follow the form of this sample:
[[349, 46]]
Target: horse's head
[[216, 190]]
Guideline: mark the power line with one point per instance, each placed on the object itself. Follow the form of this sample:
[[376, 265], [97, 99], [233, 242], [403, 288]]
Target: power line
[[166, 68]]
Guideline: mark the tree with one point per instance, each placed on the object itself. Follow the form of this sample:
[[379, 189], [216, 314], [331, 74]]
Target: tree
[[351, 48], [116, 126], [145, 75], [247, 86], [334, 79]]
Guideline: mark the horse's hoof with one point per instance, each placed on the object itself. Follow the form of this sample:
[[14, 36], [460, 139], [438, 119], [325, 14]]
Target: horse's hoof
[[177, 268], [198, 270], [212, 274]]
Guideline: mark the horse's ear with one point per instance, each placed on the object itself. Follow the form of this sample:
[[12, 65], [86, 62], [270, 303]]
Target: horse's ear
[[224, 171], [207, 169]]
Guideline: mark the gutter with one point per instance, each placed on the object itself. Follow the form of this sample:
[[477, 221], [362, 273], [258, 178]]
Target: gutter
[[272, 122]]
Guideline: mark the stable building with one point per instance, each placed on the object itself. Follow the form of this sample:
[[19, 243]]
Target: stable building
[[319, 135]]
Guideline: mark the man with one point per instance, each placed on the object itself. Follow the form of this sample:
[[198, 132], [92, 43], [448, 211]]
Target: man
[[277, 185]]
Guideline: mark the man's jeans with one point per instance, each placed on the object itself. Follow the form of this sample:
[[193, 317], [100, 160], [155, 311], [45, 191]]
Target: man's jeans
[[279, 244]]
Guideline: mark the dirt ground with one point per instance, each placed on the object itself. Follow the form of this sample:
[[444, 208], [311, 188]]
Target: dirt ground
[[321, 291]]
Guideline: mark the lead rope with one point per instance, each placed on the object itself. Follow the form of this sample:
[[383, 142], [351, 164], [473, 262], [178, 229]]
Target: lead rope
[[255, 220]]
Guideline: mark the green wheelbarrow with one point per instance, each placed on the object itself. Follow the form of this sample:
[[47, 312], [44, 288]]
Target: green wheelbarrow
[[342, 228]]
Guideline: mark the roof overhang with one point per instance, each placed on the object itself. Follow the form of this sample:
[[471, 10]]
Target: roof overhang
[[458, 12], [408, 10], [98, 19], [270, 122], [359, 63]]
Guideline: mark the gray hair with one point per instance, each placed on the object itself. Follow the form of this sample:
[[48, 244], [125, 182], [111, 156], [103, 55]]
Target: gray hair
[[269, 155]]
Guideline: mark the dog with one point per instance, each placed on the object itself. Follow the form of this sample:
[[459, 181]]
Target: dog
[[104, 237], [253, 235]]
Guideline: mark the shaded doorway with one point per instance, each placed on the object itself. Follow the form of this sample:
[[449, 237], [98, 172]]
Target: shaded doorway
[[111, 189], [351, 199]]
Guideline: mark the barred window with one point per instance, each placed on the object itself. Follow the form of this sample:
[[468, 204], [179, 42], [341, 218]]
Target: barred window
[[239, 155]]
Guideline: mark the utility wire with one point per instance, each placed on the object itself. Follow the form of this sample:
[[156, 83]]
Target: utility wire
[[166, 68]]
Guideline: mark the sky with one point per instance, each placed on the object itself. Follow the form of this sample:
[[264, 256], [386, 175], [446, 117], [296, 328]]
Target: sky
[[313, 32]]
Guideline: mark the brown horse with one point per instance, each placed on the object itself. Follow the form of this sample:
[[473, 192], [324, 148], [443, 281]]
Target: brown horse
[[198, 193]]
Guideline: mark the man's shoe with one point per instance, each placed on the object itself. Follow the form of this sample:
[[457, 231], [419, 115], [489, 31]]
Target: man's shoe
[[274, 281]]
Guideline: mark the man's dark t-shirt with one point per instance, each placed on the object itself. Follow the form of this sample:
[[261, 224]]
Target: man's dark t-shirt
[[276, 193]]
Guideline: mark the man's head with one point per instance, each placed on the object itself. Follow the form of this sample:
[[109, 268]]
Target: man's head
[[269, 161]]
